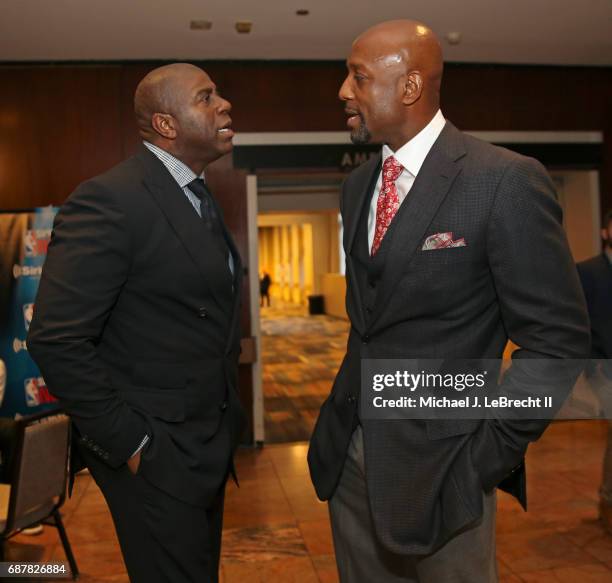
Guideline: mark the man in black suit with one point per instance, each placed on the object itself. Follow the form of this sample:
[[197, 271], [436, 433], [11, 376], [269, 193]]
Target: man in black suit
[[136, 331], [596, 277], [453, 246]]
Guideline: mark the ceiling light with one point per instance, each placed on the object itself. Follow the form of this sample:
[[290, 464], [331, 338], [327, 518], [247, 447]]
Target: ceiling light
[[453, 38], [244, 26], [200, 25]]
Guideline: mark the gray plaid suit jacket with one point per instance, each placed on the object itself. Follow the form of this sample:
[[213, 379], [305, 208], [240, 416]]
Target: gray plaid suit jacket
[[514, 279]]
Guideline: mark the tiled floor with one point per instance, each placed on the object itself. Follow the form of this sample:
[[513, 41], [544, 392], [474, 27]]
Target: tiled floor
[[301, 355], [277, 532]]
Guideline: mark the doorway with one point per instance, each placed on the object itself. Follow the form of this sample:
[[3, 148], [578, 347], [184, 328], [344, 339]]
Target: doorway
[[302, 335]]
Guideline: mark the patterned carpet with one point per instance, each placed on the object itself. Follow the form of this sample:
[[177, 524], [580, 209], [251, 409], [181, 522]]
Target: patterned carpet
[[301, 355]]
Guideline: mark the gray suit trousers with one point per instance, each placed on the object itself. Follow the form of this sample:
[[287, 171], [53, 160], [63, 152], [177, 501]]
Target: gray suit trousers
[[467, 558]]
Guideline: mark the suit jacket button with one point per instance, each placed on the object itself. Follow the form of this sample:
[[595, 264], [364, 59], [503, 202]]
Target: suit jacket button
[[365, 339], [223, 406], [372, 283], [202, 313], [351, 399]]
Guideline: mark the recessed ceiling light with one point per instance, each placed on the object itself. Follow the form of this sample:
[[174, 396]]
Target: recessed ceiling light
[[200, 25], [453, 38], [244, 26], [302, 12]]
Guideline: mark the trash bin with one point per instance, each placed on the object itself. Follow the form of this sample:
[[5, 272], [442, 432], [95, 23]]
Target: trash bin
[[316, 305]]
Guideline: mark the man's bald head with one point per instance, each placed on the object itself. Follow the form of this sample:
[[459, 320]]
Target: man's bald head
[[409, 44], [179, 109], [393, 86], [161, 91]]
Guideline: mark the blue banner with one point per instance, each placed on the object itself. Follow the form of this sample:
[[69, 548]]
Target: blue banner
[[24, 238]]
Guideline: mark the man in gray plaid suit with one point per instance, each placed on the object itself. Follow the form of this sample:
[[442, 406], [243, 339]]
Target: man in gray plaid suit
[[453, 246]]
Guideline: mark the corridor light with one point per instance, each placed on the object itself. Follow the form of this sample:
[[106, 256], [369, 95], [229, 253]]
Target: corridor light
[[244, 26], [200, 25]]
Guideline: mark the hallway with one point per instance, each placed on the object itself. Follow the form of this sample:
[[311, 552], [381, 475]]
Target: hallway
[[301, 355]]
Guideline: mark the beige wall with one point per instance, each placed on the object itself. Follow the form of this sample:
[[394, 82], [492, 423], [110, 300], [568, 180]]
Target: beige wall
[[334, 292]]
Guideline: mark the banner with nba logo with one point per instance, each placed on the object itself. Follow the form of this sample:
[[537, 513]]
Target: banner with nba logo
[[24, 238]]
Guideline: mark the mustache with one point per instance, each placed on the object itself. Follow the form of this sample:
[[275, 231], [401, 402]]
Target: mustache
[[351, 112]]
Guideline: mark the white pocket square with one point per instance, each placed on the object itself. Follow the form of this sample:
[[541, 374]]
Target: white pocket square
[[442, 241]]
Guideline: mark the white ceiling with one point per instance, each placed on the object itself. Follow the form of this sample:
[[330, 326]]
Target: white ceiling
[[574, 32]]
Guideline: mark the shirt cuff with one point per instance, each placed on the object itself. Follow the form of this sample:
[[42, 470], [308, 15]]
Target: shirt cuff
[[144, 442]]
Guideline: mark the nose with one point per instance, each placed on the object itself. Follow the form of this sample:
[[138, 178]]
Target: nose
[[224, 105], [345, 93]]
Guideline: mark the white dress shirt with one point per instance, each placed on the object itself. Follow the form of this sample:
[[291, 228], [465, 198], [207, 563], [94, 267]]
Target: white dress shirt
[[411, 156]]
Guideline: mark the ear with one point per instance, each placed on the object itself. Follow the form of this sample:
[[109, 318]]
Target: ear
[[165, 125], [412, 87]]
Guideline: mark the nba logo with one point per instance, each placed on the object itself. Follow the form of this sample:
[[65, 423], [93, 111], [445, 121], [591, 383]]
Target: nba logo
[[30, 244], [28, 312], [31, 392]]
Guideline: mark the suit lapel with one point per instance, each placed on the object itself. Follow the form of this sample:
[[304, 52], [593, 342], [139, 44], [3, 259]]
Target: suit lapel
[[355, 200], [365, 180], [439, 171], [237, 276], [178, 211]]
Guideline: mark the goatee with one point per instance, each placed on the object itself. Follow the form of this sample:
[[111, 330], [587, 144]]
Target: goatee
[[361, 135]]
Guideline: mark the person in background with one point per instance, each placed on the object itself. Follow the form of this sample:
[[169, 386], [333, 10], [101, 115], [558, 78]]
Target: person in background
[[264, 288], [596, 277]]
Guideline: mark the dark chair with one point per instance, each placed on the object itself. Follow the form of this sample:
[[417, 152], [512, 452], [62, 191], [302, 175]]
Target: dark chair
[[38, 477]]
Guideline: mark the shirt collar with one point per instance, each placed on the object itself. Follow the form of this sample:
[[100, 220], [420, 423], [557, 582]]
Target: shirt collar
[[413, 153], [179, 170], [608, 252]]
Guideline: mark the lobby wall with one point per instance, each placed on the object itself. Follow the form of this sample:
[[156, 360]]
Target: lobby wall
[[61, 123]]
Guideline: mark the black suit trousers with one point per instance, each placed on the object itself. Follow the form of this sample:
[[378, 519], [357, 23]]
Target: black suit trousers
[[163, 540]]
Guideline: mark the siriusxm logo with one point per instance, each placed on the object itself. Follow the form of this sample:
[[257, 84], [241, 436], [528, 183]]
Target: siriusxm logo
[[35, 242], [28, 312], [26, 271]]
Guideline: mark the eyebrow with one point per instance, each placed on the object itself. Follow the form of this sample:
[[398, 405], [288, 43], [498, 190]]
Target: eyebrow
[[210, 90], [351, 65]]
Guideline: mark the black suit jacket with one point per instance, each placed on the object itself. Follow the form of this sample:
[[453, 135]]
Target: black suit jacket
[[596, 278], [136, 328], [514, 279]]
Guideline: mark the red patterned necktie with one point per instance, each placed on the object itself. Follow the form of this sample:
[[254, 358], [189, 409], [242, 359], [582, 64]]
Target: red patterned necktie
[[388, 201]]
